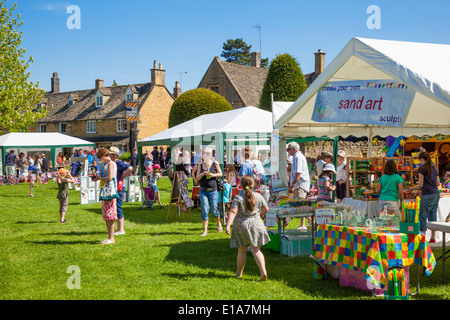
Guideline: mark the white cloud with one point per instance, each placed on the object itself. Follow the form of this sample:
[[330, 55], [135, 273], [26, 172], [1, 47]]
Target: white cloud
[[55, 6]]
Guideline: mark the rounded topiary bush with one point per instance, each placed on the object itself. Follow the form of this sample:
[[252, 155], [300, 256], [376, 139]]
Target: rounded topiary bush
[[194, 103], [284, 79]]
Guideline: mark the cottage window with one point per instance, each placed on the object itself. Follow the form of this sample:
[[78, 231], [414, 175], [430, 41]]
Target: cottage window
[[91, 126], [62, 128], [43, 128], [129, 97], [99, 101], [121, 125], [215, 89], [70, 102]]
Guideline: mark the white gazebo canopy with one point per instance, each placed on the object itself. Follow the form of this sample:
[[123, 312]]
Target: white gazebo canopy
[[423, 67], [52, 141], [40, 139], [247, 121]]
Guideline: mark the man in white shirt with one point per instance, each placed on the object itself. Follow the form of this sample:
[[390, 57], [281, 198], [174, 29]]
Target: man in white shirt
[[299, 181]]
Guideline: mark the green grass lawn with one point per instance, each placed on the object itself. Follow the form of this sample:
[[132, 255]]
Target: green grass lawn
[[154, 260]]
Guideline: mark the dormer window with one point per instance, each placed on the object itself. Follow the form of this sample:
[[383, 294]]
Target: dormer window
[[130, 95], [70, 102], [99, 101]]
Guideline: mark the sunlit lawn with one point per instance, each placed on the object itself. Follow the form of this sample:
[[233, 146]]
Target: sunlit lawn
[[154, 260]]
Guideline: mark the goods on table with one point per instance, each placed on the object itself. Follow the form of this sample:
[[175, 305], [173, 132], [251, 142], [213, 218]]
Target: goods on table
[[410, 216], [396, 285], [361, 175]]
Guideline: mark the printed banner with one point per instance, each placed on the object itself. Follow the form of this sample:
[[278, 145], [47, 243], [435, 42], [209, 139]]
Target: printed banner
[[375, 102]]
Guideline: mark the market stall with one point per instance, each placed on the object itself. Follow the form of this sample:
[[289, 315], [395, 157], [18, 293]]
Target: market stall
[[371, 252], [42, 142], [368, 80], [223, 132], [375, 88]]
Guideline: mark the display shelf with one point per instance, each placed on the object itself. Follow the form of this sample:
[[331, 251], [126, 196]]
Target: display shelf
[[362, 171], [404, 167]]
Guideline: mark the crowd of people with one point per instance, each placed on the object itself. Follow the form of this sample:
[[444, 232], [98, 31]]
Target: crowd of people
[[246, 209], [21, 166]]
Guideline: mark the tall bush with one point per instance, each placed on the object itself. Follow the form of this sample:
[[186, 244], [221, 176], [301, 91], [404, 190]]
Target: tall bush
[[284, 79]]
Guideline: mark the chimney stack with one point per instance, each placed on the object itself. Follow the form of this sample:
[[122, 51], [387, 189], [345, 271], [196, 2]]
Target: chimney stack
[[177, 89], [158, 75], [99, 83], [55, 83], [320, 62], [256, 59]]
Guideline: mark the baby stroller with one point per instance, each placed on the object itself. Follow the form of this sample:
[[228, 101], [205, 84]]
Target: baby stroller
[[149, 198]]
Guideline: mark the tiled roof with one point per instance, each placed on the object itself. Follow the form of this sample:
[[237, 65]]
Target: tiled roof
[[84, 103], [247, 80]]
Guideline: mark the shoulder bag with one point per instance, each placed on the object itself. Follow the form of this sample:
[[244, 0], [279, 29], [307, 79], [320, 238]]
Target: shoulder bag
[[109, 191]]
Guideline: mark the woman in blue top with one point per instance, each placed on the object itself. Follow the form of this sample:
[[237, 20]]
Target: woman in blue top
[[428, 183], [247, 166], [390, 189]]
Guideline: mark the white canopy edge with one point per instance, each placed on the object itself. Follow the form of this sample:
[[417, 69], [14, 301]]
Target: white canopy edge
[[423, 67], [40, 139], [248, 120]]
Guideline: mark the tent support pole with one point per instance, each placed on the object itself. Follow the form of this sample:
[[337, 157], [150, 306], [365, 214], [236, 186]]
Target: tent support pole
[[369, 142], [335, 153]]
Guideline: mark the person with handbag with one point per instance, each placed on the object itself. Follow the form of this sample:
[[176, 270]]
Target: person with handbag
[[207, 175], [123, 171], [108, 193]]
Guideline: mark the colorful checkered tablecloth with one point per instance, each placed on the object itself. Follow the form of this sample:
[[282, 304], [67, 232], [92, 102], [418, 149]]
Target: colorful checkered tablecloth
[[371, 252]]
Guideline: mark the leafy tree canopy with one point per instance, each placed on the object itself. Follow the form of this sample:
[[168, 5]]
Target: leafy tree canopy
[[19, 97], [237, 51]]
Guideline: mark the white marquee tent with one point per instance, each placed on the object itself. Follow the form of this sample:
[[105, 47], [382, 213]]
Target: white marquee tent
[[243, 121], [39, 141], [222, 130], [423, 67]]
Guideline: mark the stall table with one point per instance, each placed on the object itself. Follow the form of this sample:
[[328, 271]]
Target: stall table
[[295, 215], [371, 252], [443, 227], [371, 208]]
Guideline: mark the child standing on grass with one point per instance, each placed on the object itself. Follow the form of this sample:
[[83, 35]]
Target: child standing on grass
[[23, 172], [154, 177], [64, 178]]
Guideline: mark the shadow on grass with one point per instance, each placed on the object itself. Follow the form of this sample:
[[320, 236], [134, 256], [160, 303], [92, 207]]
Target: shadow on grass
[[216, 254], [59, 242], [32, 222], [72, 233]]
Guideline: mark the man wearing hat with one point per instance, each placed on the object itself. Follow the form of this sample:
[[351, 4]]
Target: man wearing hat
[[123, 170], [299, 180], [341, 186]]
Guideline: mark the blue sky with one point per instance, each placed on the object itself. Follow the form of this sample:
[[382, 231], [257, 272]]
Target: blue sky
[[119, 40]]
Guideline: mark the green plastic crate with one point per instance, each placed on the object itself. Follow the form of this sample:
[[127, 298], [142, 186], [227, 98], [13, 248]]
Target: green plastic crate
[[274, 243], [296, 245]]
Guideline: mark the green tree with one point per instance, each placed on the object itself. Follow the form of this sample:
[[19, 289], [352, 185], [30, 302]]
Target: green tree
[[237, 51], [194, 103], [284, 79], [19, 97]]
